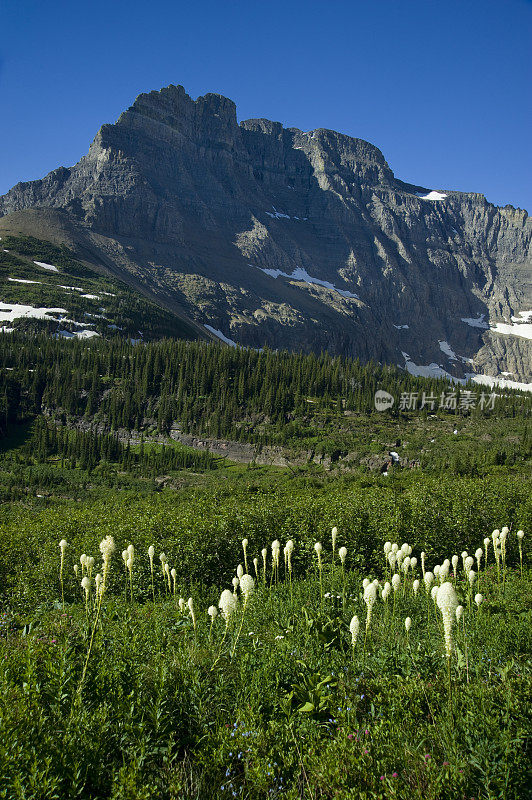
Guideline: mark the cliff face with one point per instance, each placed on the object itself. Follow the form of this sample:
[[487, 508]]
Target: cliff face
[[276, 237]]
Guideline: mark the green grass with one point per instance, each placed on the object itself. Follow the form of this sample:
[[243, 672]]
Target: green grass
[[279, 705]]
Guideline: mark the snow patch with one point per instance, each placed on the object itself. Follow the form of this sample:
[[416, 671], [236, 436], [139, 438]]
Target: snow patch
[[221, 335], [21, 280], [44, 265], [448, 350], [501, 383], [301, 274], [430, 371], [401, 327], [91, 296], [521, 329], [434, 371], [11, 312], [522, 316], [72, 288], [476, 323], [433, 195]]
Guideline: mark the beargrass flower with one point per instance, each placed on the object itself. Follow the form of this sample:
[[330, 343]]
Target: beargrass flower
[[173, 573], [235, 583], [387, 547], [181, 603], [365, 583], [478, 599], [434, 592], [342, 553], [459, 612], [212, 611], [245, 551], [190, 604], [454, 562], [239, 571], [227, 604], [478, 556], [415, 587], [256, 566], [423, 562], [395, 547], [447, 602], [471, 577], [354, 627], [408, 624], [392, 559], [520, 537], [76, 570], [334, 534], [428, 577], [396, 582], [386, 589], [247, 586]]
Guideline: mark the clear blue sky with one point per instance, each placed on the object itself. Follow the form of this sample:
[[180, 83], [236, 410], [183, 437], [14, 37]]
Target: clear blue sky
[[443, 87]]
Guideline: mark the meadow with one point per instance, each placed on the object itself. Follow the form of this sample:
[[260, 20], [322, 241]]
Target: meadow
[[269, 669]]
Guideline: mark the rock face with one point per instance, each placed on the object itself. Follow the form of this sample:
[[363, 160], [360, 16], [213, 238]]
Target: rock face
[[276, 237]]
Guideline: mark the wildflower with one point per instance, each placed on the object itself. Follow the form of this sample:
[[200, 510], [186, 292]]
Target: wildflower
[[387, 548], [86, 586], [468, 563], [459, 612], [247, 585], [212, 611], [342, 552], [408, 624], [276, 549], [428, 577], [365, 583], [478, 556], [454, 561], [423, 563], [318, 548], [434, 592], [76, 570], [395, 547], [415, 587], [107, 548], [386, 589], [334, 534], [447, 602], [520, 537], [173, 573], [245, 550], [478, 600], [370, 595], [63, 544], [227, 604], [240, 571], [413, 563], [354, 627], [181, 603], [392, 559], [190, 604], [471, 577], [256, 566], [235, 583], [396, 582]]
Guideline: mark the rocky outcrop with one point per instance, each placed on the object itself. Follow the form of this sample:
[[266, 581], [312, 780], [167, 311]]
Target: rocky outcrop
[[276, 237]]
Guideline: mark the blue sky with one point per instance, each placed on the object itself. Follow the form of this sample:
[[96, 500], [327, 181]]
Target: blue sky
[[441, 86]]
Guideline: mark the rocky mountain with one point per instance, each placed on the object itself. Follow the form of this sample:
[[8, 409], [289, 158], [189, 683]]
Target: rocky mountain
[[267, 236]]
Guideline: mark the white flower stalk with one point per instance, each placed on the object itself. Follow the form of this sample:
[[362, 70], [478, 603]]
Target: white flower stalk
[[486, 546], [415, 587], [86, 586], [173, 573], [83, 562], [387, 547], [468, 564], [256, 566], [399, 557], [464, 556], [276, 550], [434, 592], [162, 559], [520, 537], [334, 534], [264, 554], [478, 556], [504, 533], [365, 582], [245, 551], [392, 560], [443, 573], [478, 599], [99, 585], [289, 549], [428, 578], [63, 544], [342, 554], [471, 577], [89, 562], [408, 624], [247, 586], [182, 605], [76, 570], [459, 613], [423, 563], [413, 564], [395, 547], [354, 628], [124, 558], [454, 561], [151, 554], [396, 582], [167, 575], [386, 590], [212, 611], [190, 604], [235, 583], [370, 596], [318, 548], [447, 602], [406, 549], [239, 571], [405, 566], [495, 538], [227, 605], [436, 570], [107, 548]]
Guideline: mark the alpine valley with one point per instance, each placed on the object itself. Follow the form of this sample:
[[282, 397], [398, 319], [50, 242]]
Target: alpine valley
[[264, 236]]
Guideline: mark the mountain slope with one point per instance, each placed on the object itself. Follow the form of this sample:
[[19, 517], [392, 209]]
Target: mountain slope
[[272, 236]]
